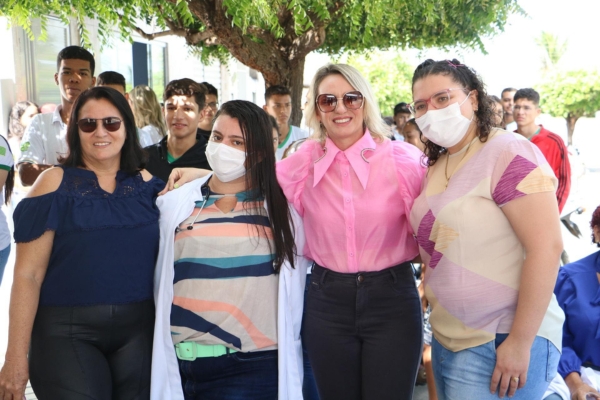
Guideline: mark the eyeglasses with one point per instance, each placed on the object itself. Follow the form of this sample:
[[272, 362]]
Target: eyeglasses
[[328, 102], [213, 105], [438, 101], [89, 125]]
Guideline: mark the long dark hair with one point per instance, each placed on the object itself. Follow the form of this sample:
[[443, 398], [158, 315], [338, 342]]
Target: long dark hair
[[9, 184], [133, 157], [468, 78], [260, 176]]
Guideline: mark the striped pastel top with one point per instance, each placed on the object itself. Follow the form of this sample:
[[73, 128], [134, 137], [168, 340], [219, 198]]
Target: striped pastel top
[[225, 287], [473, 255]]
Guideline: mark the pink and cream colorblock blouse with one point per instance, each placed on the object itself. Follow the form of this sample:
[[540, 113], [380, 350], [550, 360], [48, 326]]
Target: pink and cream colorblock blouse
[[473, 255]]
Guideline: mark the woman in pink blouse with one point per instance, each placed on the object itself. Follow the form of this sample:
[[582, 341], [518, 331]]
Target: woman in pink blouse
[[354, 189]]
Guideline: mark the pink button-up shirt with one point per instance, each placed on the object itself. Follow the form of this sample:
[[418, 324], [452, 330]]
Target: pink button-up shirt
[[355, 203]]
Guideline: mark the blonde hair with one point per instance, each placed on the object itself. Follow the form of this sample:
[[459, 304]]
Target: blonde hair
[[372, 116], [146, 108]]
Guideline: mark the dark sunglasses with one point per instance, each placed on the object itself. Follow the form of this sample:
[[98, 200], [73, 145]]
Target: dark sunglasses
[[328, 102], [89, 125]]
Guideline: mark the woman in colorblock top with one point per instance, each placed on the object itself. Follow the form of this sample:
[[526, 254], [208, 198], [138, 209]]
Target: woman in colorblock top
[[228, 316], [487, 227], [354, 189], [82, 312]]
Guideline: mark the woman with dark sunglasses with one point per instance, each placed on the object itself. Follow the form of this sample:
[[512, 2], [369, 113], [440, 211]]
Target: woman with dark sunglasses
[[82, 308], [230, 281], [354, 189]]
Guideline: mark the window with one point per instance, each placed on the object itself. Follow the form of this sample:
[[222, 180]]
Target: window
[[156, 68], [149, 65], [117, 58], [42, 60]]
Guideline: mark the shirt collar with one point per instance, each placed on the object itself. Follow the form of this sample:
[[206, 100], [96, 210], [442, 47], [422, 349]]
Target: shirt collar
[[358, 155], [56, 115]]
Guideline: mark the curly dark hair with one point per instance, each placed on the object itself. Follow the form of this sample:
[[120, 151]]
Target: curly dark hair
[[468, 78], [186, 87], [595, 222]]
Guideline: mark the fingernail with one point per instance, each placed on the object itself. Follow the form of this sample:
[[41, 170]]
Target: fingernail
[[176, 186]]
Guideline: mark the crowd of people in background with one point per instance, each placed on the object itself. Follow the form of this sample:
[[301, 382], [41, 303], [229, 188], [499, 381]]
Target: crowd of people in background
[[183, 248]]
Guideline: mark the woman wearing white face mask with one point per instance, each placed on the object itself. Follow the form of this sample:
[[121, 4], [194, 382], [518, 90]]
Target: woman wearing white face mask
[[227, 263], [487, 227]]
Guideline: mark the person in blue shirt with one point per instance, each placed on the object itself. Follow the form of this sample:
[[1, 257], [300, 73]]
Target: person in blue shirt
[[82, 306], [578, 293]]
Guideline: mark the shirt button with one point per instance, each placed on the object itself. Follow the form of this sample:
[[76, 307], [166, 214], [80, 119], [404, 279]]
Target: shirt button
[[347, 200], [345, 174], [349, 228], [351, 254]]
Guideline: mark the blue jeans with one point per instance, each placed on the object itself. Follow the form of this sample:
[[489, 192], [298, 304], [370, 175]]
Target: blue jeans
[[467, 374], [235, 376], [4, 253]]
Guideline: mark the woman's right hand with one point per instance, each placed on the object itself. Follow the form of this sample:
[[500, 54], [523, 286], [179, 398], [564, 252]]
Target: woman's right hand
[[582, 391], [13, 379], [181, 176]]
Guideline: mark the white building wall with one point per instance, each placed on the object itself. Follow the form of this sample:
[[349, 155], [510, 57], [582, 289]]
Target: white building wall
[[233, 79], [7, 72]]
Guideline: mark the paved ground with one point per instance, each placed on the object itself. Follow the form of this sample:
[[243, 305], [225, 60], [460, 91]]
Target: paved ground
[[421, 393], [585, 192]]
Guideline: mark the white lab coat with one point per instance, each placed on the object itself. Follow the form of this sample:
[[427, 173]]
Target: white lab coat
[[175, 207]]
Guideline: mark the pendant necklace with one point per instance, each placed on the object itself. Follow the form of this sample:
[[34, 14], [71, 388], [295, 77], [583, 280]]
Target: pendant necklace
[[461, 160]]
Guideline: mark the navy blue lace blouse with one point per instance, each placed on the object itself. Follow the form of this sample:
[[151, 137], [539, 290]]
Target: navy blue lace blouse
[[105, 244]]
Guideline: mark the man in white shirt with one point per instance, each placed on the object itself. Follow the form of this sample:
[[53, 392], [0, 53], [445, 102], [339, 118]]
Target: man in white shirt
[[44, 141], [508, 103], [278, 101]]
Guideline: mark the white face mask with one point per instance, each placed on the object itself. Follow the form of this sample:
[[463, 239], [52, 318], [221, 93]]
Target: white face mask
[[445, 127], [226, 162]]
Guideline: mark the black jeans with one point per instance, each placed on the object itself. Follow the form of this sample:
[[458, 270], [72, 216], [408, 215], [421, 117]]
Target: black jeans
[[364, 333], [309, 386], [98, 352]]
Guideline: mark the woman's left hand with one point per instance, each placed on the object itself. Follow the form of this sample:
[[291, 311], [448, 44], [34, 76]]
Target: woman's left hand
[[512, 363], [181, 176]]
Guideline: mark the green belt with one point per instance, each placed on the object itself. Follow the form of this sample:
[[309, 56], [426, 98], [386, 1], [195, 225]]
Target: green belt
[[189, 351]]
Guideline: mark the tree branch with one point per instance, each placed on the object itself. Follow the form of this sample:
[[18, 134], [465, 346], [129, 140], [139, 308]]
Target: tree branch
[[154, 35], [191, 37]]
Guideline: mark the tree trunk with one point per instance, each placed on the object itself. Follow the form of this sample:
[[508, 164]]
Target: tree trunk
[[280, 60], [571, 120], [293, 78]]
